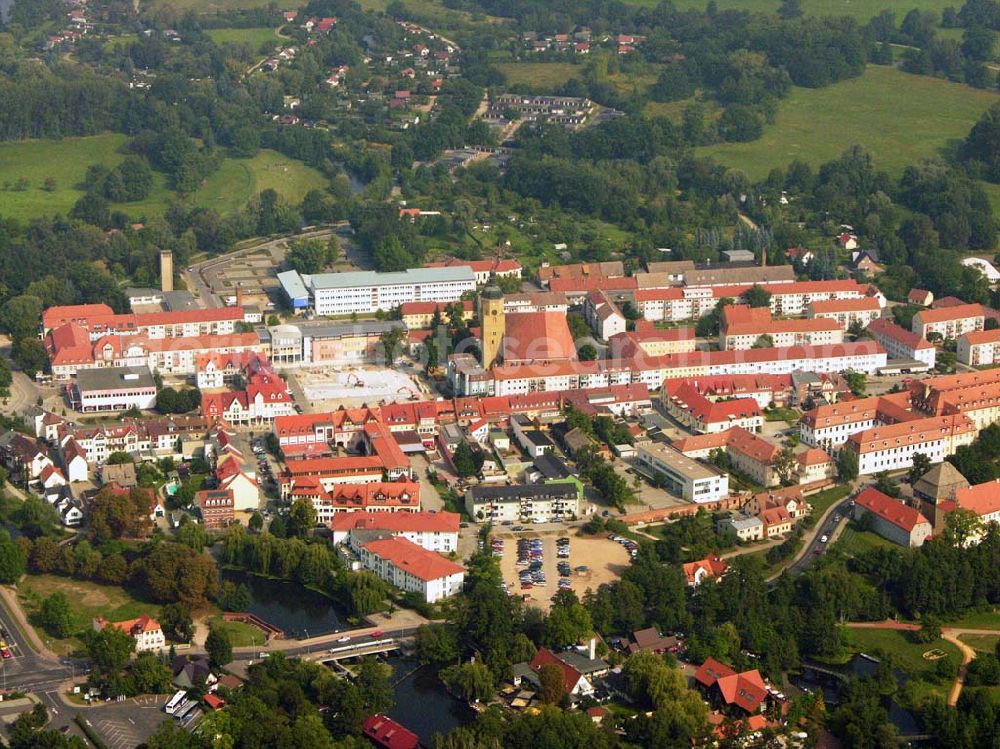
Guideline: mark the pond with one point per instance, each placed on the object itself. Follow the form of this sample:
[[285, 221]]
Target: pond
[[422, 703], [860, 667], [295, 609]]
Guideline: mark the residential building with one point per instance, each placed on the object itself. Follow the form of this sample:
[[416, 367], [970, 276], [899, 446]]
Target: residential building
[[331, 499], [980, 348], [740, 335], [113, 389], [814, 465], [265, 398], [709, 568], [484, 270], [830, 424], [652, 341], [74, 460], [420, 315], [743, 527], [725, 687], [367, 292], [949, 322], [893, 520], [99, 320], [776, 520], [434, 531], [570, 111], [891, 447], [765, 389], [609, 269], [690, 479], [575, 683], [700, 414], [412, 569], [529, 503], [984, 501], [145, 630], [216, 507], [603, 315], [920, 297], [537, 301], [900, 343], [846, 312], [753, 456]]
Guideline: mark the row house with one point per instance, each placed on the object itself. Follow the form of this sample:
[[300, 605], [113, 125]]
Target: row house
[[218, 369], [781, 333], [99, 320], [434, 531], [376, 497], [700, 414]]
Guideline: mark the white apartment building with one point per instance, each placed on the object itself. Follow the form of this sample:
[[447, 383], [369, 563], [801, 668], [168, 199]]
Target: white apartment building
[[434, 531], [829, 425], [367, 292], [146, 631], [412, 569], [783, 333], [979, 348], [949, 322], [891, 447], [687, 478], [524, 503], [900, 343], [846, 312]]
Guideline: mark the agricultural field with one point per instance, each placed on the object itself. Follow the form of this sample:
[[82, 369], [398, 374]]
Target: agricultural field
[[899, 118], [255, 37], [862, 10], [210, 6], [66, 162], [540, 76], [86, 600]]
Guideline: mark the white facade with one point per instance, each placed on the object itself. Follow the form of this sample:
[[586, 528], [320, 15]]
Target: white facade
[[367, 292], [687, 478], [979, 349], [408, 567], [900, 343], [743, 341]]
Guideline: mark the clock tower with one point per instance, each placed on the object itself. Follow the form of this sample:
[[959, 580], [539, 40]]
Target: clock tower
[[491, 317]]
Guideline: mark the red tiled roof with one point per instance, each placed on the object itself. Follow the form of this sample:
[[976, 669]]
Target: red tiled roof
[[54, 316], [814, 456], [701, 408], [388, 734], [400, 522], [412, 558], [951, 313], [537, 336], [978, 337], [864, 304], [982, 499], [746, 690], [592, 283], [545, 657], [713, 566], [889, 509], [882, 326]]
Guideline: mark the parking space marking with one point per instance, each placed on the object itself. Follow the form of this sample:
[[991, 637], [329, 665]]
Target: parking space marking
[[118, 735]]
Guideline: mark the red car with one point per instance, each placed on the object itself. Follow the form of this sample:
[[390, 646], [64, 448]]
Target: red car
[[377, 634], [6, 653]]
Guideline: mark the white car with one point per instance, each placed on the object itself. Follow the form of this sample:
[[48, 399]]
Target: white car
[[823, 539], [345, 638]]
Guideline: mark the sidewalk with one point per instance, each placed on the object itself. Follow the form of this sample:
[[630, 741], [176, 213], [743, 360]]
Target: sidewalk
[[31, 638]]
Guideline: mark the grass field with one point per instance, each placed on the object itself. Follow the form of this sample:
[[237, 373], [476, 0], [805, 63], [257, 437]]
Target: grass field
[[66, 161], [821, 501], [86, 599], [211, 6], [907, 655], [542, 76], [977, 620], [899, 118], [859, 9], [240, 634], [255, 37], [981, 643], [852, 541]]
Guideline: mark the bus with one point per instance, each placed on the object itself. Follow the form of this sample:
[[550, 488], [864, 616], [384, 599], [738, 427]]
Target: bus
[[185, 708], [175, 701]]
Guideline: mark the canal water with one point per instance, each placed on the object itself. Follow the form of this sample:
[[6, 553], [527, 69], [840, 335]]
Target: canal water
[[423, 704], [859, 667], [295, 609]]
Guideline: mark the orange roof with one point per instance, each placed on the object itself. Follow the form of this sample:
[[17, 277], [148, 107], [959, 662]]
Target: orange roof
[[537, 336], [978, 337], [889, 509], [814, 456], [493, 265], [592, 283], [400, 522], [414, 559], [945, 314], [545, 657], [712, 566], [132, 627], [752, 446], [881, 326], [845, 412], [982, 499], [914, 432], [742, 314], [701, 408], [799, 325], [54, 316], [864, 304]]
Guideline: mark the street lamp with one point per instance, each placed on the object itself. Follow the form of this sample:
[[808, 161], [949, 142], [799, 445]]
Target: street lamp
[[307, 639]]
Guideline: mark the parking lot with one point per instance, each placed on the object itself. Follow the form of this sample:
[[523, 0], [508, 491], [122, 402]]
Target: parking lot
[[604, 561], [129, 723]]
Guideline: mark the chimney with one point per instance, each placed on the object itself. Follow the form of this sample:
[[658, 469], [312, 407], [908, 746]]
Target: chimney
[[239, 295], [166, 270], [593, 648]]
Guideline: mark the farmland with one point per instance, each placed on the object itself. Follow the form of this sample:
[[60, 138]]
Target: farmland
[[861, 10], [898, 118]]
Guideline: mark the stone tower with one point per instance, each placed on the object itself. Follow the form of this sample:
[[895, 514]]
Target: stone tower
[[491, 317]]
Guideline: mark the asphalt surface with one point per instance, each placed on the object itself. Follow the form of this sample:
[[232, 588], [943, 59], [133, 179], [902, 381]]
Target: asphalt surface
[[828, 528]]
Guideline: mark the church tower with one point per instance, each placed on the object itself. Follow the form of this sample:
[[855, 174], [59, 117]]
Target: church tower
[[491, 318]]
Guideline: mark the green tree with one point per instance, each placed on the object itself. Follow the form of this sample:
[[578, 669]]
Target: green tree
[[856, 382], [309, 256], [56, 616], [471, 681], [465, 460], [390, 345], [921, 465], [551, 684], [587, 352], [12, 560], [175, 618], [301, 518], [436, 643], [847, 464], [219, 647], [109, 649], [757, 296]]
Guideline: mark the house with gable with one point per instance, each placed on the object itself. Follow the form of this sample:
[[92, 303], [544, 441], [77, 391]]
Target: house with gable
[[725, 688]]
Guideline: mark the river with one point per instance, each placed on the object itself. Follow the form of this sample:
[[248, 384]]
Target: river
[[5, 8], [422, 703], [295, 609]]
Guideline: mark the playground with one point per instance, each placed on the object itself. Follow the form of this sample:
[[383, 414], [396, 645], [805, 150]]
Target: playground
[[327, 389]]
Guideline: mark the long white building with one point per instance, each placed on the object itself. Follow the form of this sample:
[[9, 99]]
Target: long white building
[[367, 292]]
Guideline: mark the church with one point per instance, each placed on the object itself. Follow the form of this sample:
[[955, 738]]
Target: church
[[515, 338]]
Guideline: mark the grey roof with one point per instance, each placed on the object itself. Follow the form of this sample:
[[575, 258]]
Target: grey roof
[[114, 378], [725, 274], [538, 438], [348, 329], [522, 491], [413, 276], [551, 467], [744, 523], [492, 292], [291, 282], [940, 482], [582, 663], [176, 301]]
